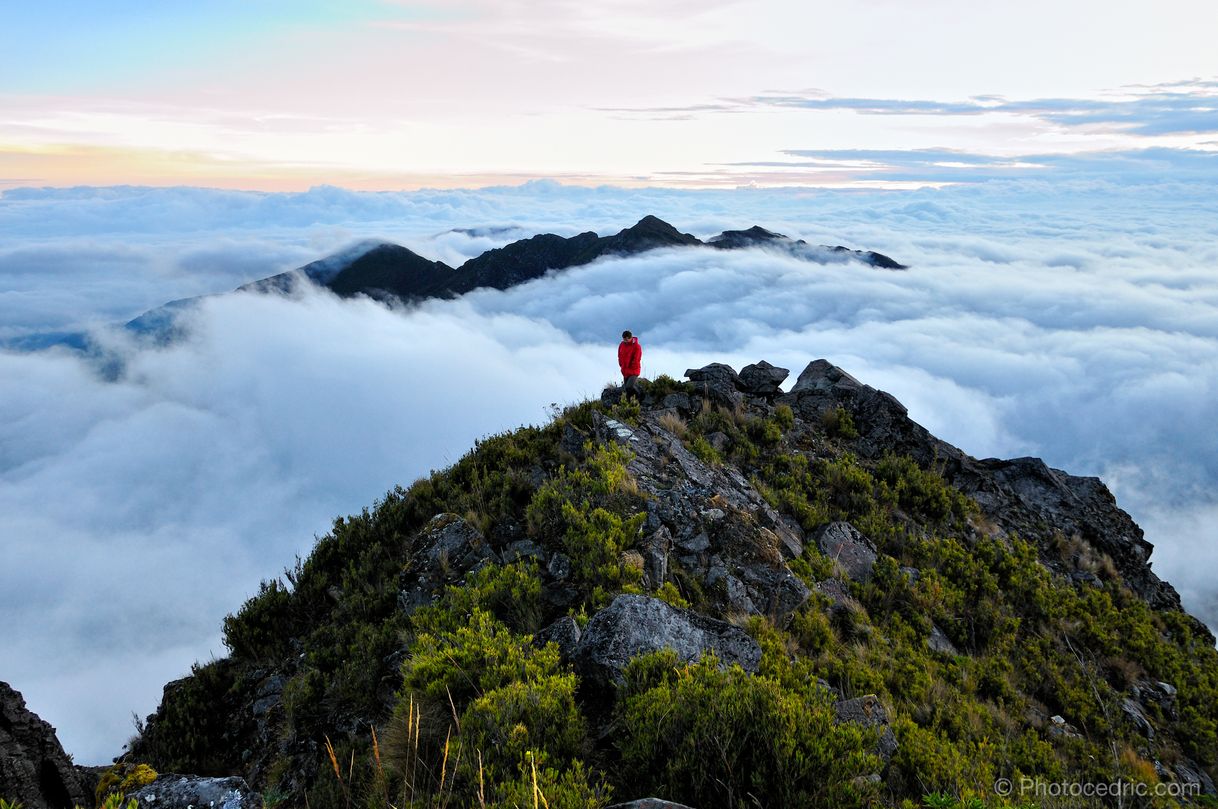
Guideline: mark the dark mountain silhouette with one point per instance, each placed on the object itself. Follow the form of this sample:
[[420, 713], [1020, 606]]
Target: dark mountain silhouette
[[388, 271]]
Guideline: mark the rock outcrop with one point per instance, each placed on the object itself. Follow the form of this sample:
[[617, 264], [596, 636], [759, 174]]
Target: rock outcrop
[[634, 625], [171, 791], [34, 770]]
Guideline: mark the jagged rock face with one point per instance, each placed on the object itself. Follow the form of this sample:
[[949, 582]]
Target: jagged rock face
[[449, 548], [171, 791], [1022, 496], [633, 625], [34, 770], [735, 548]]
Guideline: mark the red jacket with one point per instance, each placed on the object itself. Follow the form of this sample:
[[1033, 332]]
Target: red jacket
[[630, 357]]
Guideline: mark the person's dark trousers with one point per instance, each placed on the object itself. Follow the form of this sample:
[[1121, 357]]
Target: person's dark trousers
[[630, 385]]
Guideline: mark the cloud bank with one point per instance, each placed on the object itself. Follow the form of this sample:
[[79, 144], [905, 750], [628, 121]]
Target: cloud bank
[[1077, 321]]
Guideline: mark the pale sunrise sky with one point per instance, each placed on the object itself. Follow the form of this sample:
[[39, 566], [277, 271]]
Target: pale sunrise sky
[[385, 94]]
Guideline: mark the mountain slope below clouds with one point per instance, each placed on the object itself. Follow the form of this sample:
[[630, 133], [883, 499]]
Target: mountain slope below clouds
[[885, 616]]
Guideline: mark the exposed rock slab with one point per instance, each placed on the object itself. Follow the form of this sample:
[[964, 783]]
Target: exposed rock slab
[[852, 551], [172, 791], [633, 625]]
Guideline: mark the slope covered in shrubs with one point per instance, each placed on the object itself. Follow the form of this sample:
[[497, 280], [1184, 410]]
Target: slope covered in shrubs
[[427, 653]]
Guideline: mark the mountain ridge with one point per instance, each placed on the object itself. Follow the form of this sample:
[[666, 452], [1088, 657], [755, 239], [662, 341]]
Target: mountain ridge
[[912, 607], [384, 271]]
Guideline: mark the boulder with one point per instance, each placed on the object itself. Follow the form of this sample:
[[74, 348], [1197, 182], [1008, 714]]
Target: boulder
[[633, 625], [761, 378], [34, 770], [649, 803], [717, 382], [172, 791], [869, 712], [940, 642], [852, 551]]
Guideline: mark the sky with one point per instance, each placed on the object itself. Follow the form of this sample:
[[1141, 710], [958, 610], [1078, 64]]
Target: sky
[[1048, 170], [385, 94]]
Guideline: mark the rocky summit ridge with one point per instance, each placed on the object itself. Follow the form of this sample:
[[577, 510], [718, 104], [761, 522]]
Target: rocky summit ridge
[[719, 593]]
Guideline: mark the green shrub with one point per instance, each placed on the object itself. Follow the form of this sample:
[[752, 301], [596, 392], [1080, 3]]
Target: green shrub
[[535, 714], [472, 660], [839, 423], [669, 594], [714, 737], [703, 451], [121, 779]]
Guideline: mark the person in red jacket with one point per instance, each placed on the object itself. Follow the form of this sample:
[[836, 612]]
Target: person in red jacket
[[630, 360]]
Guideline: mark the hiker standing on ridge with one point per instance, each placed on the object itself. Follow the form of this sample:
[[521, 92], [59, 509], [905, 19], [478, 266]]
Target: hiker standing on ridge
[[630, 360]]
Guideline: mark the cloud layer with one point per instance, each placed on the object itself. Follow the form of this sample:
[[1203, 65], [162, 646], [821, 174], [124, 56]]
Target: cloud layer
[[1077, 321]]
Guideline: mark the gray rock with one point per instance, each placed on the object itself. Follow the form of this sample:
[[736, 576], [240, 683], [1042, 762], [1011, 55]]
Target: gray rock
[[1191, 773], [762, 379], [678, 401], [837, 593], [869, 712], [564, 633], [633, 625], [1134, 712], [559, 566], [1086, 577], [732, 591], [446, 549], [775, 590], [655, 548], [717, 382], [171, 791], [34, 770], [1060, 728], [449, 542], [523, 549], [941, 643], [694, 544], [719, 441], [842, 543], [649, 803]]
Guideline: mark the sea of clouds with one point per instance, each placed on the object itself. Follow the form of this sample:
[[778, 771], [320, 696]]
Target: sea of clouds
[[1077, 321]]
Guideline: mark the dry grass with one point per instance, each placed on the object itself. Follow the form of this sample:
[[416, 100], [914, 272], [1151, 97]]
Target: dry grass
[[673, 423]]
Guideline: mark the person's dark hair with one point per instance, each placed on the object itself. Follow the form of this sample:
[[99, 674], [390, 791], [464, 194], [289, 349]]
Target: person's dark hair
[[626, 335]]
